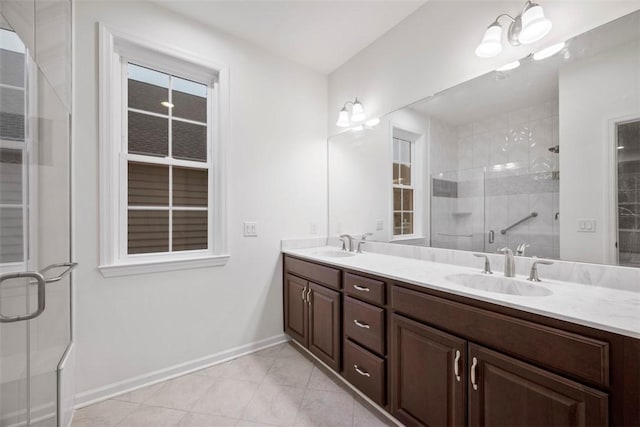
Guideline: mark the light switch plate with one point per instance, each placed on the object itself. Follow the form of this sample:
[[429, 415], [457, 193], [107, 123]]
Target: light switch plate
[[250, 229], [586, 225]]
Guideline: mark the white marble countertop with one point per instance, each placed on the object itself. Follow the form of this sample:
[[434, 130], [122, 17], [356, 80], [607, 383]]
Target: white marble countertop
[[612, 310]]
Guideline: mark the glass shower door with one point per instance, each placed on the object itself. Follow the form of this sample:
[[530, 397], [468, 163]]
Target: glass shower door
[[35, 308]]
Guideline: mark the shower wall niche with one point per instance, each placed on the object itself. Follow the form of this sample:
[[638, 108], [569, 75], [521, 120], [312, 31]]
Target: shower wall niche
[[507, 170]]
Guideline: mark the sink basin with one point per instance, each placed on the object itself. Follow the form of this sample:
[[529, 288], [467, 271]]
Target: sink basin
[[501, 285], [334, 254]]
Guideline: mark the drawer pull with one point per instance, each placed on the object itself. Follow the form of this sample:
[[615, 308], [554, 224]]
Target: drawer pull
[[473, 373], [361, 288], [361, 372], [456, 366], [361, 325]]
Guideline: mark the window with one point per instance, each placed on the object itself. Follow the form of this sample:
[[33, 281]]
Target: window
[[163, 166], [14, 154], [403, 187]]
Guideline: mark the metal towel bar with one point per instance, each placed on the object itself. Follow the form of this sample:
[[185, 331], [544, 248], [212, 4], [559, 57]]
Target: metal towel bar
[[515, 224]]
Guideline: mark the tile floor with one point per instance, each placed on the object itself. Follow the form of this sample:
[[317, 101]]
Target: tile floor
[[278, 386]]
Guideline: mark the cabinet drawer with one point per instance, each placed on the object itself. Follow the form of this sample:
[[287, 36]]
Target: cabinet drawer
[[364, 324], [365, 371], [364, 288], [315, 272], [577, 356]]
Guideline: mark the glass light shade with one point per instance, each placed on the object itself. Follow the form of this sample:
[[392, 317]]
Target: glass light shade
[[549, 51], [534, 25], [510, 66], [343, 118], [491, 44], [372, 122], [357, 112]]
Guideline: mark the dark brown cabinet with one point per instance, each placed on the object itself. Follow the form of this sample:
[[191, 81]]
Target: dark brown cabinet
[[324, 324], [312, 317], [506, 392], [428, 376]]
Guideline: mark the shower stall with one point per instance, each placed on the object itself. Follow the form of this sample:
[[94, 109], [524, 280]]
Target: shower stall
[[35, 235], [486, 209]]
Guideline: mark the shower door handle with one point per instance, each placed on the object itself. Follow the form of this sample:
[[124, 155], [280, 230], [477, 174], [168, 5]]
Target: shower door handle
[[40, 281], [492, 236]]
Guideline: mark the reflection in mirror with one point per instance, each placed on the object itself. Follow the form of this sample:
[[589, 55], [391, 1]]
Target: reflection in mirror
[[543, 158]]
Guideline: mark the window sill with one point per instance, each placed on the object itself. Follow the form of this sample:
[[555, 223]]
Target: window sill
[[160, 266]]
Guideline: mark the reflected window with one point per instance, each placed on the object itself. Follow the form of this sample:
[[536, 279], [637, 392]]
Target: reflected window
[[168, 169], [628, 149], [13, 152], [403, 189]]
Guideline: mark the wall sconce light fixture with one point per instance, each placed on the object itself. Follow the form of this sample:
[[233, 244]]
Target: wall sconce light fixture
[[357, 114], [528, 27]]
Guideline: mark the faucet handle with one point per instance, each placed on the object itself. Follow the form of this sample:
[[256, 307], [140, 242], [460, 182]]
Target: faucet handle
[[360, 243], [365, 235], [487, 264], [533, 275]]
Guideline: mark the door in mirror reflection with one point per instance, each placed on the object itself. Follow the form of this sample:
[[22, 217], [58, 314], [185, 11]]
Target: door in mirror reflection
[[628, 162]]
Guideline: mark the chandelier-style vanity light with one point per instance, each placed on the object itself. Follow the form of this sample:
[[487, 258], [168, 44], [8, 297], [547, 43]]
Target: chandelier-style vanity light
[[528, 27], [357, 114]]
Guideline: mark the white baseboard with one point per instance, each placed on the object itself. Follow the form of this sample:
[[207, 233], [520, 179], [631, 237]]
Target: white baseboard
[[107, 392]]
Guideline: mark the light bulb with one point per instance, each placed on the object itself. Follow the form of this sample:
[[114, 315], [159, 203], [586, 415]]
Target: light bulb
[[343, 118], [549, 51], [167, 104], [534, 24], [510, 66], [491, 44], [357, 112]]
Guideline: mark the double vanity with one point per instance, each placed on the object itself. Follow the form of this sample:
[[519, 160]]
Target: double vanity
[[441, 344]]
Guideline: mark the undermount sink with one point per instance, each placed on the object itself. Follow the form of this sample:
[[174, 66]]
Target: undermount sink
[[334, 253], [501, 285]]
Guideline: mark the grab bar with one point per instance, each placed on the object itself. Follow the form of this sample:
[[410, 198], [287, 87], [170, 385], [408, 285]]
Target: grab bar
[[454, 235], [68, 266], [515, 224]]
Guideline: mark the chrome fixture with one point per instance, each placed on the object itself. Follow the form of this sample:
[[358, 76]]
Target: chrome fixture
[[362, 241], [521, 249], [555, 149], [533, 275], [487, 265], [528, 27], [515, 224], [345, 238], [357, 114], [509, 262]]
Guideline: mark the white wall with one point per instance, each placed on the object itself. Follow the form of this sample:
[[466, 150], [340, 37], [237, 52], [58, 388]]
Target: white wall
[[132, 326], [433, 49], [613, 82]]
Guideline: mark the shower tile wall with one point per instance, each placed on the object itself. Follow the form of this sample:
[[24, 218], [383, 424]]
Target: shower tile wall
[[522, 177]]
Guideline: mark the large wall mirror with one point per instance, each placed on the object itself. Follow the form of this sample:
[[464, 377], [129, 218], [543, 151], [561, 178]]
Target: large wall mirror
[[543, 158]]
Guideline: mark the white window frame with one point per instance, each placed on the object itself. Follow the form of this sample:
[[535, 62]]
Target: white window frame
[[116, 49]]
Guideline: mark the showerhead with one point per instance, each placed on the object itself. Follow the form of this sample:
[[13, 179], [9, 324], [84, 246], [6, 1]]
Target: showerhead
[[555, 149]]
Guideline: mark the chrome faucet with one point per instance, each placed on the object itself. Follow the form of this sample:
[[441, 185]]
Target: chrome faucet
[[533, 275], [521, 249], [362, 241], [345, 238], [487, 265], [509, 262]]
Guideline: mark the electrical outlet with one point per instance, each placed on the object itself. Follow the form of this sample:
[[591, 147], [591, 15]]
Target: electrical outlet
[[250, 229], [379, 225], [586, 225]]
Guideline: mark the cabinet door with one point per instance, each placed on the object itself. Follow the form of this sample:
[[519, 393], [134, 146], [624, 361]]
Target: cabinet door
[[507, 392], [296, 310], [428, 375], [324, 325]]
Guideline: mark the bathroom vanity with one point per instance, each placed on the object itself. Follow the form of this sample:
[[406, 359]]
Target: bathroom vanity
[[432, 349]]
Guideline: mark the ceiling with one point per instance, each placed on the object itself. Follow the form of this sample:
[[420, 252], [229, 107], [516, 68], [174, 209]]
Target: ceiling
[[321, 35]]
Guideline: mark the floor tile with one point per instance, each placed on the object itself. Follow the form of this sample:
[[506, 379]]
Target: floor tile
[[181, 393], [152, 416], [274, 404], [319, 380], [363, 417], [293, 371], [248, 368], [245, 423], [103, 414], [203, 420], [325, 409], [141, 394], [227, 397], [289, 350], [273, 351]]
